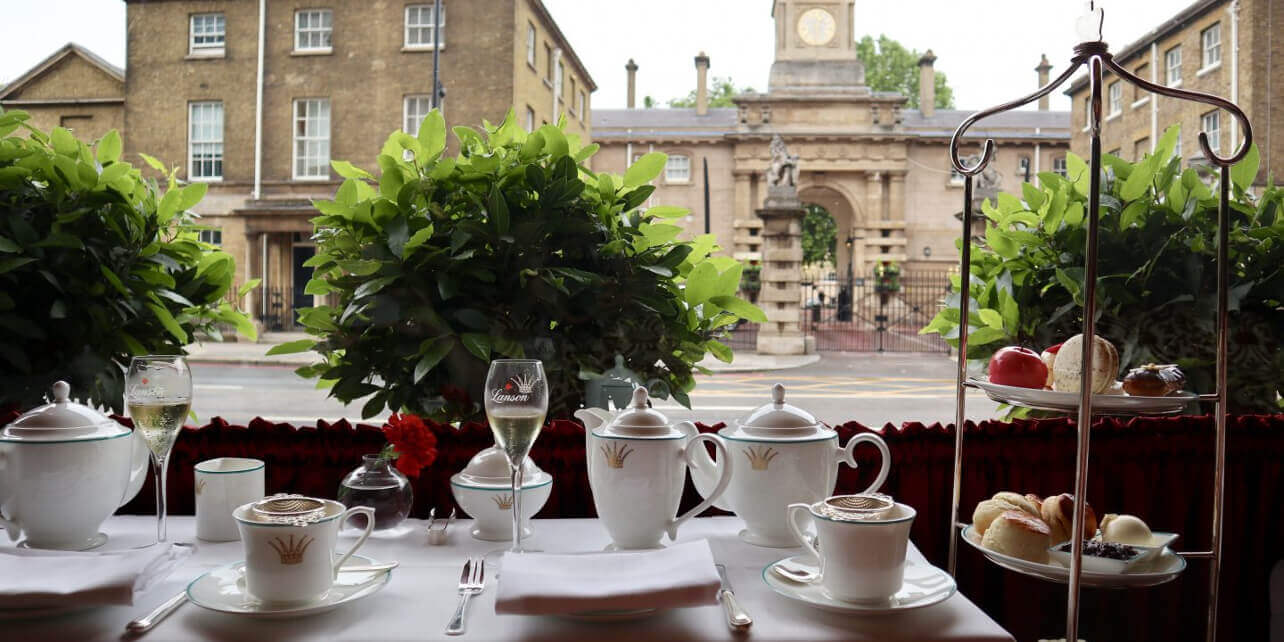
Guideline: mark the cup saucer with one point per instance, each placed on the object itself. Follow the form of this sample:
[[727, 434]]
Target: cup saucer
[[923, 585], [223, 590]]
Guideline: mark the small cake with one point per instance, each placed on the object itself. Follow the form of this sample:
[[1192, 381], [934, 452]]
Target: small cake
[[989, 509], [1153, 380], [1018, 534], [1058, 513], [1049, 357], [1068, 364], [1125, 529]]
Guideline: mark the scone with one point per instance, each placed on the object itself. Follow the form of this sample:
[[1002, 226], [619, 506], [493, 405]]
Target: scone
[[1069, 363], [1018, 534], [987, 510], [1058, 514]]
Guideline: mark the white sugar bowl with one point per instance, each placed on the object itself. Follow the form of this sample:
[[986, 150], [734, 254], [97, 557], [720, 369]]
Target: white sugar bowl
[[484, 489]]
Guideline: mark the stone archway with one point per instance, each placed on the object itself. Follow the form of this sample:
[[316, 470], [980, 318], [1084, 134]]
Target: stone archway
[[845, 216]]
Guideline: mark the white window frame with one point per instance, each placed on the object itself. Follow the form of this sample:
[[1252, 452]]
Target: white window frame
[[212, 236], [1059, 166], [217, 31], [579, 105], [320, 24], [319, 137], [532, 43], [956, 178], [209, 137], [1172, 67], [423, 26], [1211, 124], [677, 169], [1210, 47], [1177, 147], [414, 108], [1115, 101]]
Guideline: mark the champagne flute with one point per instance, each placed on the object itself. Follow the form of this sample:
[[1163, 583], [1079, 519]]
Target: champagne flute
[[516, 402], [158, 393]]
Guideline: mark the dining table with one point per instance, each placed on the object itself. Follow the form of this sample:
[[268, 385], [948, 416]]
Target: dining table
[[420, 596]]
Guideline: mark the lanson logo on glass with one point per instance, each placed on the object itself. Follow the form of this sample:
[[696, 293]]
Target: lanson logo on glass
[[516, 389]]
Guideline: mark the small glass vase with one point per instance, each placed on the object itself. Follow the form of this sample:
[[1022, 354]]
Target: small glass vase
[[380, 486]]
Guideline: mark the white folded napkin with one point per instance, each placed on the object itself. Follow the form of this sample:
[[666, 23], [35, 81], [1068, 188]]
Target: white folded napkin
[[37, 578], [545, 584]]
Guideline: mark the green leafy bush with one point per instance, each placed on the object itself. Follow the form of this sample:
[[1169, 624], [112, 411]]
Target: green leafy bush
[[512, 248], [1156, 292], [96, 265]]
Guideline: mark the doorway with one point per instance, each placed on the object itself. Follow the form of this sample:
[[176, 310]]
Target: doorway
[[301, 274]]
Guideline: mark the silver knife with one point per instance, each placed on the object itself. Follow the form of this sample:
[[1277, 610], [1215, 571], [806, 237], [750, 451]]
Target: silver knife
[[737, 618]]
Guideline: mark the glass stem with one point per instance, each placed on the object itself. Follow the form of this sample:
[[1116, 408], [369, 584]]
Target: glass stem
[[517, 507], [160, 463]]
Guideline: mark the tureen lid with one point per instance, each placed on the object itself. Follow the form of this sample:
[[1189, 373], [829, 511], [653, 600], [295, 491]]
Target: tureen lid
[[62, 420], [489, 468], [781, 420], [638, 419]]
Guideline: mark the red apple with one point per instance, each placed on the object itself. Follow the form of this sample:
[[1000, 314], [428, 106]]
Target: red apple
[[1017, 366]]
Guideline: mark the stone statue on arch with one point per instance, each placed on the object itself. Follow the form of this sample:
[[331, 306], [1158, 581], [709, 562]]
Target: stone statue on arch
[[783, 170]]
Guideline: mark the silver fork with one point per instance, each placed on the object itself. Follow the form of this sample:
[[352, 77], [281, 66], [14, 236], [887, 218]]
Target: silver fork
[[471, 582]]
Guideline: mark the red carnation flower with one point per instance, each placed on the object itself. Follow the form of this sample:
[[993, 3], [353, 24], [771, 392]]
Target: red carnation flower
[[411, 442]]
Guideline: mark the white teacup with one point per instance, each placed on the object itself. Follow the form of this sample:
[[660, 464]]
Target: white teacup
[[221, 485], [289, 543], [861, 560]]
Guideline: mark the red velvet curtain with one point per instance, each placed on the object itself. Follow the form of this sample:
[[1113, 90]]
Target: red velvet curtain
[[1158, 468]]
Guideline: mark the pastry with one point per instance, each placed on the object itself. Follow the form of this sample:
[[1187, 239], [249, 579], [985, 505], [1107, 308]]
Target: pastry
[[1049, 356], [1034, 499], [1058, 513], [1018, 534], [989, 509], [1125, 529], [1115, 388], [1069, 363], [1153, 380]]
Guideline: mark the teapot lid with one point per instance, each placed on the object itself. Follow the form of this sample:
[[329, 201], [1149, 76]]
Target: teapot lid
[[781, 420], [62, 420], [638, 419], [489, 468]]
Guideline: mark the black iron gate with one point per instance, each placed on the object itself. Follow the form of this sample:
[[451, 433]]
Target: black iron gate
[[855, 315]]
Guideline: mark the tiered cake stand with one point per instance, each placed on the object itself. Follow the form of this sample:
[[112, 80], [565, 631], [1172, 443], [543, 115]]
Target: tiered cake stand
[[1095, 55]]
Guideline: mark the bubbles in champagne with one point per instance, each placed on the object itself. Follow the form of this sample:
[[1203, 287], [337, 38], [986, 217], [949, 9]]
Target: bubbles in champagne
[[515, 430], [159, 420]]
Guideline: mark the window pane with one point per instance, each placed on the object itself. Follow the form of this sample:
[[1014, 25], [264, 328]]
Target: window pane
[[205, 140]]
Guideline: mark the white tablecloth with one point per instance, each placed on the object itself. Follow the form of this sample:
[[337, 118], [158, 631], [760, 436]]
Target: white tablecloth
[[420, 598]]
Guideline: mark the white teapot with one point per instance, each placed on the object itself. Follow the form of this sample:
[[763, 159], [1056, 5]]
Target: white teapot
[[783, 456], [637, 467], [64, 469]]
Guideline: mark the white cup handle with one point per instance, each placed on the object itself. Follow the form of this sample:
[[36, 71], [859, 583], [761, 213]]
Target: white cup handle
[[792, 519], [370, 521], [689, 454], [846, 456]]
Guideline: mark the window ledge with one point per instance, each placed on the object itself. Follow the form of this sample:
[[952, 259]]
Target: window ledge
[[547, 83], [310, 179], [1209, 69], [532, 66], [1140, 102], [418, 48], [954, 183], [205, 179], [686, 182], [1114, 115], [1176, 84], [1086, 128], [206, 54], [312, 52]]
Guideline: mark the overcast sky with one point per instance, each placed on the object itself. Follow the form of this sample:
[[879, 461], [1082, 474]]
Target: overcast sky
[[988, 49]]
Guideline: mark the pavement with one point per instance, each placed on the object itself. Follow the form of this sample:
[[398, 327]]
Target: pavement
[[248, 353]]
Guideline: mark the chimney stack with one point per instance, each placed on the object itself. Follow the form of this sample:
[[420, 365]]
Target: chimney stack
[[702, 84], [632, 68], [1043, 69], [927, 84]]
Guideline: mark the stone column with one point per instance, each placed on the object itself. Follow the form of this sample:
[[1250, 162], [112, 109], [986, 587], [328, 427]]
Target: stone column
[[896, 196], [781, 275], [874, 196], [1043, 69], [632, 68]]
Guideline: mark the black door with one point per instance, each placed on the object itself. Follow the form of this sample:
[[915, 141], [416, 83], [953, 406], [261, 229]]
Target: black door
[[301, 275]]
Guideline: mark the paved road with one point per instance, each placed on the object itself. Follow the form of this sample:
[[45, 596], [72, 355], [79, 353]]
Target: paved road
[[870, 388]]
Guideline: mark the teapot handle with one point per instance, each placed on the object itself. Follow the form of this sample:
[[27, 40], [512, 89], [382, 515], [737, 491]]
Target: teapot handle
[[693, 449], [845, 455]]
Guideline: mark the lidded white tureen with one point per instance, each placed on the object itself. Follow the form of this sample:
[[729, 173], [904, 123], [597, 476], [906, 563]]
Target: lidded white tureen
[[484, 489], [64, 469], [783, 455]]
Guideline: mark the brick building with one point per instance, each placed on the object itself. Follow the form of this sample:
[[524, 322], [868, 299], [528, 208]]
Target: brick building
[[1224, 47], [72, 88]]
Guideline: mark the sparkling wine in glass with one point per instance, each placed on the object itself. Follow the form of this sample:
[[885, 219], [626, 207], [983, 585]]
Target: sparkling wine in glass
[[516, 402], [158, 394]]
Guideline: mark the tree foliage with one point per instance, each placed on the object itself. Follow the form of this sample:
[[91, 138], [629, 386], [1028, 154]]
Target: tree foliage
[[819, 236], [1156, 275], [889, 66], [721, 91], [97, 265], [512, 248]]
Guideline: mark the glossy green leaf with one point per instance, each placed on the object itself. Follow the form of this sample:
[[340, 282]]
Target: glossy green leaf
[[645, 169], [109, 147], [291, 347]]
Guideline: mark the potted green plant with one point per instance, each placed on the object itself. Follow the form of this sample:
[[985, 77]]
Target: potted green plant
[[97, 264], [513, 247]]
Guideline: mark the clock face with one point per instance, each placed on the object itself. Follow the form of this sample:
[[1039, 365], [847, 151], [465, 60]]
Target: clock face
[[816, 27]]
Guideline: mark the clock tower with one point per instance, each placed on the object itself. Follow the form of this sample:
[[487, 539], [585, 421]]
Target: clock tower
[[815, 48]]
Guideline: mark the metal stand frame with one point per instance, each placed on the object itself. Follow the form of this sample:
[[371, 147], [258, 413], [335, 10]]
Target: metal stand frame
[[1096, 56]]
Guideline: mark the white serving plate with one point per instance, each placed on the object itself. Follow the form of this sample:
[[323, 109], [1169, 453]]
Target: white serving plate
[[1162, 568], [1069, 401]]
